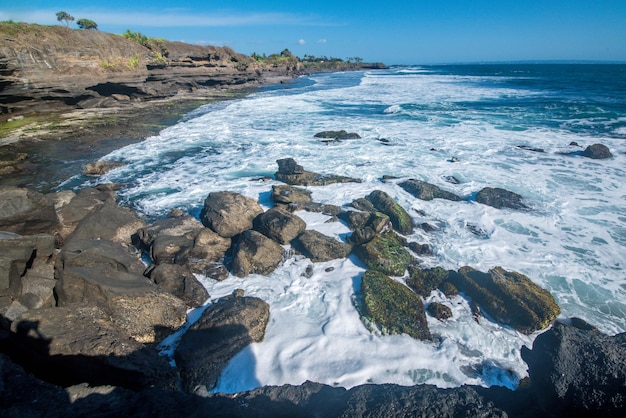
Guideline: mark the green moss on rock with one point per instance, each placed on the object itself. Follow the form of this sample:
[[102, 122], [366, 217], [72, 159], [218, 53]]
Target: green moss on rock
[[384, 203], [392, 307], [424, 281], [385, 253], [509, 297]]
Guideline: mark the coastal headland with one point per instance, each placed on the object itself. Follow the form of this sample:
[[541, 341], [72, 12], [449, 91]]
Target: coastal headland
[[81, 315]]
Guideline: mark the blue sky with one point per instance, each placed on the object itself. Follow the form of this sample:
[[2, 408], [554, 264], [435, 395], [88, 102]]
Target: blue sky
[[394, 32]]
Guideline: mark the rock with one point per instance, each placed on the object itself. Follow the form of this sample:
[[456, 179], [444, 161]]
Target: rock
[[229, 213], [385, 253], [510, 298], [72, 211], [451, 179], [578, 372], [256, 254], [424, 281], [384, 203], [279, 225], [427, 191], [18, 254], [289, 194], [337, 135], [99, 168], [375, 223], [292, 173], [166, 248], [420, 249], [78, 343], [208, 246], [27, 212], [528, 148], [500, 198], [181, 226], [391, 306], [319, 247], [108, 222], [180, 282], [103, 273], [223, 330], [439, 311], [597, 152]]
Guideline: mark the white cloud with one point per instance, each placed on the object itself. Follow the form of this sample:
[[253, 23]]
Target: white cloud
[[321, 41], [301, 42]]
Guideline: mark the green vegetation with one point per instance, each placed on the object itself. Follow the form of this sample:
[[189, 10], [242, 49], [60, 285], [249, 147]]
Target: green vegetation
[[385, 253], [107, 65], [87, 24], [156, 45], [133, 61], [424, 281], [65, 17], [391, 306]]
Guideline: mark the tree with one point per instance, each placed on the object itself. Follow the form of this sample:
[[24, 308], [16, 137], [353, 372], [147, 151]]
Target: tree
[[87, 24], [63, 16]]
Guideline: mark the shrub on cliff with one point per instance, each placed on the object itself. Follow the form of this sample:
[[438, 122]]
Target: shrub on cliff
[[87, 24]]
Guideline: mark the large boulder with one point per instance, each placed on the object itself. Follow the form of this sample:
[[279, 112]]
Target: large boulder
[[337, 135], [578, 371], [597, 152], [256, 254], [363, 232], [223, 330], [78, 343], [103, 273], [279, 225], [229, 213], [319, 247], [424, 281], [500, 198], [292, 173], [78, 205], [510, 298], [385, 253], [27, 212], [290, 195], [108, 222], [391, 306], [98, 168], [384, 203], [426, 191], [180, 282]]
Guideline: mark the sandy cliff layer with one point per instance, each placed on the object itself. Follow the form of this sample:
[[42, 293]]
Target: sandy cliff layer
[[45, 68]]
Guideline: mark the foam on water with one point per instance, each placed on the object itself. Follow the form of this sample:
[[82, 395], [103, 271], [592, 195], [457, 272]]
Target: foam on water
[[572, 241]]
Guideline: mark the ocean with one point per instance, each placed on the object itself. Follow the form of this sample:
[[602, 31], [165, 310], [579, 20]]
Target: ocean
[[518, 127]]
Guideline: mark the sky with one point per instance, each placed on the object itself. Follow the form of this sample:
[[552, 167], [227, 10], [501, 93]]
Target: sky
[[393, 32]]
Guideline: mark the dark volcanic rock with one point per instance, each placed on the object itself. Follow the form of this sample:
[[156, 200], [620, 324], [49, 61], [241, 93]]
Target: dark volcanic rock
[[385, 253], [256, 254], [229, 213], [319, 247], [104, 274], [391, 306], [578, 371], [289, 194], [279, 225], [292, 173], [384, 203], [223, 330], [79, 343], [337, 135], [500, 198], [180, 282], [509, 297], [597, 152], [439, 311], [27, 212], [427, 191]]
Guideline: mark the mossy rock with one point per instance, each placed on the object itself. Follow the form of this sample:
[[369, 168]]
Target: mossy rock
[[392, 307], [439, 311], [424, 281], [384, 203], [508, 297], [385, 253]]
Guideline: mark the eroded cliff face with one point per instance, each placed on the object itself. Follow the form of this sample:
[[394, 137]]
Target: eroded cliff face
[[45, 68]]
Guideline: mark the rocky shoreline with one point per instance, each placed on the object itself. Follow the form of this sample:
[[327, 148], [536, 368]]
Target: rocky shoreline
[[82, 314]]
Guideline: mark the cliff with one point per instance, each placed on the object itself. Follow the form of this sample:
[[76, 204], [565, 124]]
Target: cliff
[[54, 68]]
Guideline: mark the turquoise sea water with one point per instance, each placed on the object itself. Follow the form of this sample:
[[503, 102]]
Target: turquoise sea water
[[414, 122]]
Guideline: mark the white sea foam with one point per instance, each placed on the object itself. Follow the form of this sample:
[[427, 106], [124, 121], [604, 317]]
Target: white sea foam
[[572, 241]]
